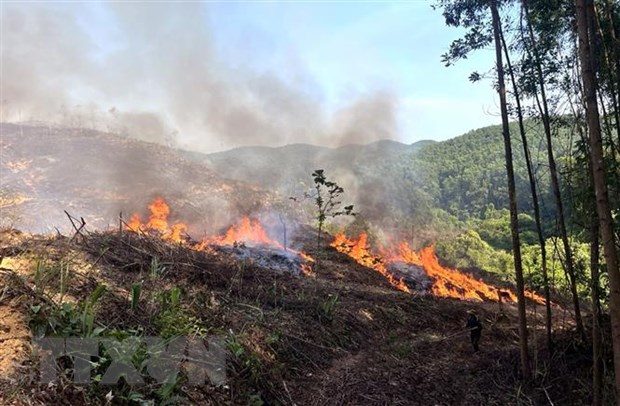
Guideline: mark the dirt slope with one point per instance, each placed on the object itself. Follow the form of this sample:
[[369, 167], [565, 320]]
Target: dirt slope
[[343, 336], [97, 175]]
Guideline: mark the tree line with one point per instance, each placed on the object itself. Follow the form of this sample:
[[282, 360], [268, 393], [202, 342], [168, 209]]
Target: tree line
[[557, 62]]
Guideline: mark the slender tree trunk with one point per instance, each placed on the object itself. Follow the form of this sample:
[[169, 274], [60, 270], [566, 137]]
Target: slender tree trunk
[[555, 183], [600, 182], [514, 222], [532, 180], [604, 56], [615, 54], [597, 356]]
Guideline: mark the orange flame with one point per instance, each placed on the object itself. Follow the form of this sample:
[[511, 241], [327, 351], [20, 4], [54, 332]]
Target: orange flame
[[250, 231], [447, 282], [247, 231], [452, 283], [360, 251], [158, 222]]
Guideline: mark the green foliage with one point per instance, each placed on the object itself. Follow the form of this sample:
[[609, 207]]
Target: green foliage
[[326, 200], [468, 250], [65, 318], [53, 315], [157, 269], [494, 228], [176, 320], [558, 279], [472, 15], [328, 308], [136, 289], [247, 359], [52, 280]]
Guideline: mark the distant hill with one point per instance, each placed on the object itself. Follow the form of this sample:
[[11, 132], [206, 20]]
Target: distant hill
[[282, 168], [365, 171], [98, 175], [396, 185], [425, 187]]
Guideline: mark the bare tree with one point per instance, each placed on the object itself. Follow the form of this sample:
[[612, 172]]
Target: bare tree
[[583, 8]]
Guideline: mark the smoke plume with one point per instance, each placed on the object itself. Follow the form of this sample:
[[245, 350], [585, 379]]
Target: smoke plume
[[152, 71]]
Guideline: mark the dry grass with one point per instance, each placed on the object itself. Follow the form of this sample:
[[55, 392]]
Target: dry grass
[[343, 337]]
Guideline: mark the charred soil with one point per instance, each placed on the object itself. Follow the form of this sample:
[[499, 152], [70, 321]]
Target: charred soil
[[341, 336]]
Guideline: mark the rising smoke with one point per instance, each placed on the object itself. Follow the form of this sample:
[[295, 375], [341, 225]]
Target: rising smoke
[[152, 71]]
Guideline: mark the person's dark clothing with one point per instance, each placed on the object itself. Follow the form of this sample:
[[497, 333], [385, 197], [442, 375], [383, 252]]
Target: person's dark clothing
[[475, 328]]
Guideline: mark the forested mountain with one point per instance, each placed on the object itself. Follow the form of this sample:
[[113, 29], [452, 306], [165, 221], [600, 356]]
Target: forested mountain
[[428, 185]]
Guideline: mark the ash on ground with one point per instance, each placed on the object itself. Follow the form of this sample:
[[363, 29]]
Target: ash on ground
[[414, 276], [266, 257]]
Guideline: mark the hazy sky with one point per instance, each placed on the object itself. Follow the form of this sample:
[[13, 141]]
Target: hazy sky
[[223, 74]]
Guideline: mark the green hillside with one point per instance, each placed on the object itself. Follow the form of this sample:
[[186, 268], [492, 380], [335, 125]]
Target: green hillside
[[428, 186]]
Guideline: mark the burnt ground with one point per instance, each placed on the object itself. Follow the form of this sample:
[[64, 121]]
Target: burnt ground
[[343, 336]]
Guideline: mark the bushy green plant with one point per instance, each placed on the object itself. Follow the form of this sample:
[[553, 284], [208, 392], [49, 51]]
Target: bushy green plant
[[67, 318], [327, 203], [470, 250], [174, 319]]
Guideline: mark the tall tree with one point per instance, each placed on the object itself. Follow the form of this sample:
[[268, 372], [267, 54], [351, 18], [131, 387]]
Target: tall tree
[[597, 356], [542, 103], [474, 15], [583, 8], [532, 181], [514, 221]]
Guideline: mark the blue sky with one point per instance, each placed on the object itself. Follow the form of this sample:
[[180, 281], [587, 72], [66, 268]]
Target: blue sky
[[224, 74], [351, 48]]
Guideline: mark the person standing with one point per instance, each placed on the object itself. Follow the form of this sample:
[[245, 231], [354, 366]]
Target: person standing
[[475, 329]]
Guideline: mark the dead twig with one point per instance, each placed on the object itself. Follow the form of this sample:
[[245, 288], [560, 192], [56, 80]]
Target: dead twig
[[288, 393], [548, 397], [78, 230]]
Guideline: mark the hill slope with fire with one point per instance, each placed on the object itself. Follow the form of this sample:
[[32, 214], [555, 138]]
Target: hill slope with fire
[[342, 323], [95, 175], [361, 319]]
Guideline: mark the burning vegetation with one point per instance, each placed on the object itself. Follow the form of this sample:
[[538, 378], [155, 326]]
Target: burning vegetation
[[286, 334], [158, 222], [445, 282], [404, 269], [246, 240]]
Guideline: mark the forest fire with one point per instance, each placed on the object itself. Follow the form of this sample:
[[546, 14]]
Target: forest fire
[[446, 282], [248, 239], [360, 251], [158, 222], [251, 232], [246, 232], [452, 283]]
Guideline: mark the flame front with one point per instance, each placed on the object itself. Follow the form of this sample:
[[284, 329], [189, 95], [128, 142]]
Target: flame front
[[250, 231], [452, 283], [447, 282], [158, 222], [247, 231], [360, 251]]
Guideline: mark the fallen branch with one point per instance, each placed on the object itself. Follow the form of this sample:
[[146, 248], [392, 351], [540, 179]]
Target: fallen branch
[[78, 230]]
